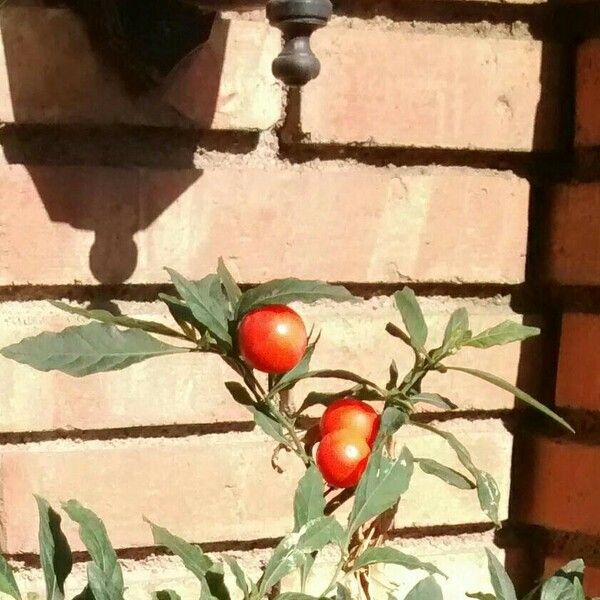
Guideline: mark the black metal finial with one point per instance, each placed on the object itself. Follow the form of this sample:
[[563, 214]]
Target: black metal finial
[[298, 20]]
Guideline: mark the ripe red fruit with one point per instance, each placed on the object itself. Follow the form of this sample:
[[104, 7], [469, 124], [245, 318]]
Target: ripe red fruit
[[342, 457], [349, 413], [272, 339]]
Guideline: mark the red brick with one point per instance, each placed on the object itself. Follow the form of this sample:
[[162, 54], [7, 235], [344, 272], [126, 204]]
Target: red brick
[[558, 486], [591, 576], [574, 248], [212, 488], [229, 78], [394, 88], [588, 94], [87, 224], [578, 382], [182, 390]]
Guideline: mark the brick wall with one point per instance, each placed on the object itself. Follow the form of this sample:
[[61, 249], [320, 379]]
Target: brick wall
[[557, 473], [427, 153]]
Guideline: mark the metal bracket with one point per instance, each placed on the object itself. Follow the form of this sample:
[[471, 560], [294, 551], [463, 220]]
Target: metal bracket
[[298, 20]]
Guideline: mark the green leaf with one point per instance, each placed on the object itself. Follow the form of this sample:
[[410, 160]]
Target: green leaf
[[412, 316], [565, 584], [392, 556], [426, 589], [207, 303], [309, 500], [503, 333], [391, 420], [284, 291], [515, 391], [231, 287], [503, 587], [487, 489], [192, 556], [457, 331], [105, 577], [319, 532], [290, 553], [288, 379], [55, 553], [285, 558], [481, 596], [238, 573], [182, 314], [166, 595], [558, 588], [488, 494], [305, 569], [87, 349], [450, 476], [380, 487], [105, 317], [435, 400], [268, 424], [8, 585], [578, 593], [240, 394]]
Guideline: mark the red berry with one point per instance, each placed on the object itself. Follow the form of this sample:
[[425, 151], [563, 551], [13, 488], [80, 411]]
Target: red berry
[[349, 413], [272, 339], [342, 457]]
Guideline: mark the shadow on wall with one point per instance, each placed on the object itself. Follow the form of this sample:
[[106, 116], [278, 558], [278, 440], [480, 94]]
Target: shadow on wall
[[525, 548], [57, 76]]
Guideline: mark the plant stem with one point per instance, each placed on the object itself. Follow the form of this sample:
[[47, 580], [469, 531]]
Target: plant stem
[[289, 426]]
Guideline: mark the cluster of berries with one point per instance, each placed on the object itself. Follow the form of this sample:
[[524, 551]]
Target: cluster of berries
[[273, 339]]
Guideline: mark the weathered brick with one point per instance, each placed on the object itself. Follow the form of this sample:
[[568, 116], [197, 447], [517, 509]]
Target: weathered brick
[[447, 90], [591, 577], [578, 381], [189, 389], [213, 488], [574, 246], [558, 485], [587, 131], [115, 225], [225, 85]]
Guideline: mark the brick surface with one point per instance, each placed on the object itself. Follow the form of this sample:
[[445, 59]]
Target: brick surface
[[558, 486], [448, 91], [462, 557], [574, 246], [591, 578], [587, 132], [189, 389], [367, 225], [578, 381], [214, 487], [71, 84]]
